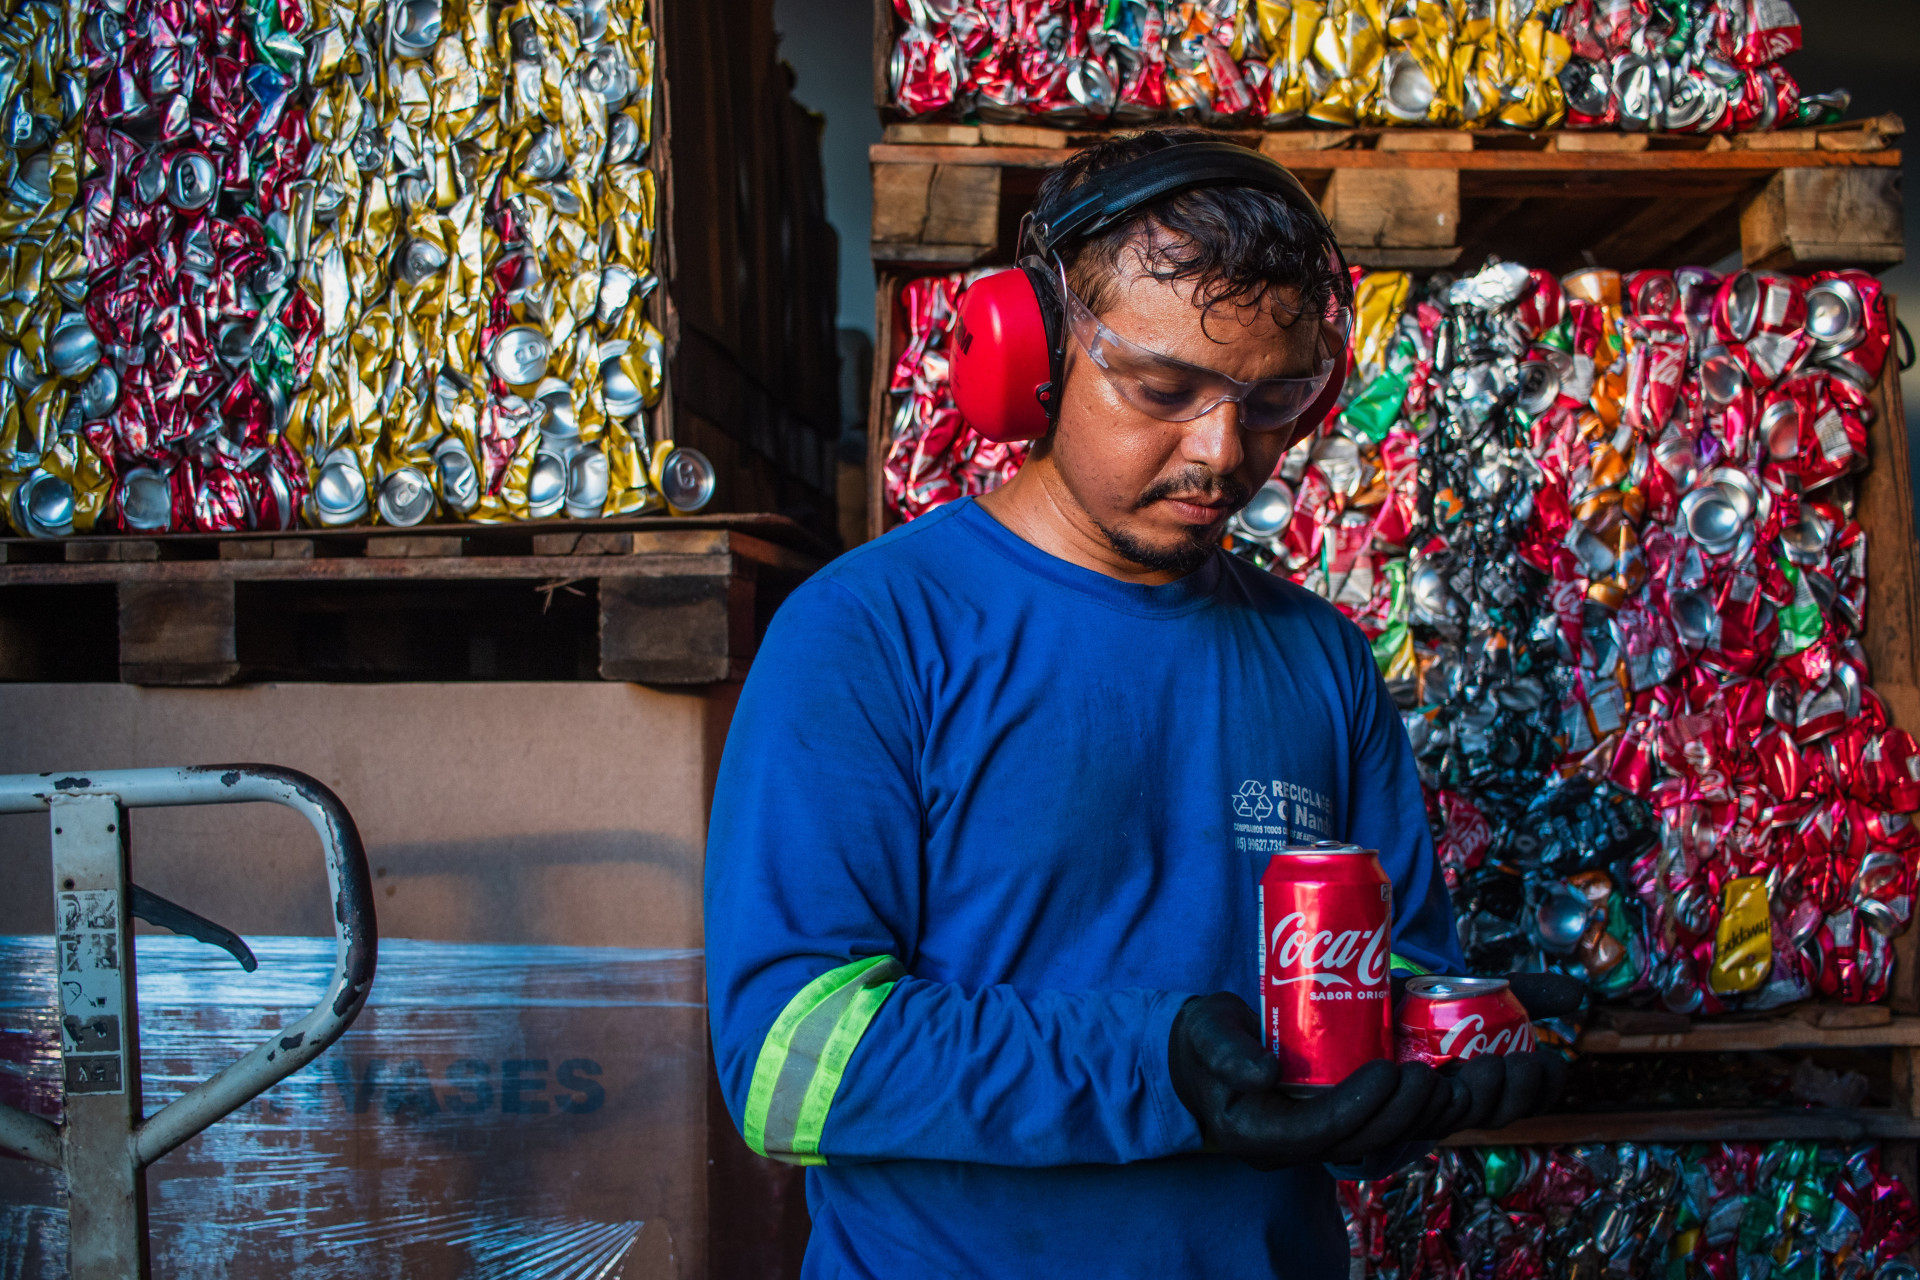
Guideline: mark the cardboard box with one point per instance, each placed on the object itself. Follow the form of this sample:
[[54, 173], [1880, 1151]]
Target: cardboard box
[[529, 1091]]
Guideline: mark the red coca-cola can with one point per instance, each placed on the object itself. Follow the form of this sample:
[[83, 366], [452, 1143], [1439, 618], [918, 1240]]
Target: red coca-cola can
[[1545, 305], [1445, 1020], [1653, 294], [1326, 928]]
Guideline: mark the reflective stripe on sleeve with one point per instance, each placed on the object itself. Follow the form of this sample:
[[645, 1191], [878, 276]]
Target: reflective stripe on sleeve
[[806, 1053], [1411, 966]]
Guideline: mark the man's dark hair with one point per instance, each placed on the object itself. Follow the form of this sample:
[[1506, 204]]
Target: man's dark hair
[[1238, 244]]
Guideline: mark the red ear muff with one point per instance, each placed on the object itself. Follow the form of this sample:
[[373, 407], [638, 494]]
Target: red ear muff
[[1000, 360]]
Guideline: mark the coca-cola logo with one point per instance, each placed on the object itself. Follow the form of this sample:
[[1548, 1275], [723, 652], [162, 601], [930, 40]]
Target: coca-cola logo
[[1468, 1038], [1352, 957]]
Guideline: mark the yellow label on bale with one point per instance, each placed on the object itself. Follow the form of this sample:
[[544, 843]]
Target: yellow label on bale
[[1743, 945]]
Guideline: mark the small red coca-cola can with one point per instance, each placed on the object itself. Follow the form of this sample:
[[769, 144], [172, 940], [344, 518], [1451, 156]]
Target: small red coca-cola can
[[1326, 928], [1653, 294], [1445, 1020]]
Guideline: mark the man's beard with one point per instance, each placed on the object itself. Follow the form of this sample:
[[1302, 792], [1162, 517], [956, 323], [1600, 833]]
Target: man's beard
[[1196, 545]]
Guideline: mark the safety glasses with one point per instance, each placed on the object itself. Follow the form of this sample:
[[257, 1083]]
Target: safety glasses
[[1175, 391]]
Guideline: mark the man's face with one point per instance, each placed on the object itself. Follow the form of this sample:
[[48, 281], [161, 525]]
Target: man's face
[[1161, 492]]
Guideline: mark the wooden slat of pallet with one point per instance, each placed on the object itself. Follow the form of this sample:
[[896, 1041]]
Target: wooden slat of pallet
[[936, 256], [349, 569], [1598, 187], [1599, 140], [1824, 1124], [935, 212], [1394, 209], [111, 549], [676, 628], [888, 342], [1020, 135], [1425, 140], [1778, 140], [683, 542], [1303, 159], [177, 632], [1906, 1081], [1428, 208], [1806, 218], [1774, 1034], [900, 202], [676, 605], [1876, 134], [1884, 508], [585, 544], [945, 135], [352, 540], [280, 548], [427, 546]]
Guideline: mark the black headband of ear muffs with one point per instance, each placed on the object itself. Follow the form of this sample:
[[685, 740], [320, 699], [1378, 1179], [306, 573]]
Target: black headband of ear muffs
[[1113, 195]]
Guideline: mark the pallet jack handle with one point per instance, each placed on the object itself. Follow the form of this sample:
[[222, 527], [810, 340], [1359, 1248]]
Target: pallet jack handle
[[104, 1142]]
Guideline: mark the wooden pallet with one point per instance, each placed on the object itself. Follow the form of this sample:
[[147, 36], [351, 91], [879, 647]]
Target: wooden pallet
[[1809, 1124], [1858, 1026], [948, 196], [652, 600], [752, 366]]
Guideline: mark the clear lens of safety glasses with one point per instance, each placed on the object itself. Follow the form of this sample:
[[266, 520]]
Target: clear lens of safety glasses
[[1175, 391]]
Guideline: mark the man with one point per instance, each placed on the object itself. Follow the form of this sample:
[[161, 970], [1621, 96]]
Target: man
[[981, 934]]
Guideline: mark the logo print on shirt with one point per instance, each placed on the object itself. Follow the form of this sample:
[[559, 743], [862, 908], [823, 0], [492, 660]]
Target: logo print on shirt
[[1251, 801]]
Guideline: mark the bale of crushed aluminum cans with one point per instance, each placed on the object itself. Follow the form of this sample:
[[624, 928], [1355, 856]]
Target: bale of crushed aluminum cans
[[334, 262], [1697, 66], [1601, 535], [1788, 1210], [194, 138], [933, 456], [1601, 532], [150, 331], [54, 390], [480, 245]]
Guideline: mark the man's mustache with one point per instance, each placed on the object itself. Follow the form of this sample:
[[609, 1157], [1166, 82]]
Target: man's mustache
[[1197, 483]]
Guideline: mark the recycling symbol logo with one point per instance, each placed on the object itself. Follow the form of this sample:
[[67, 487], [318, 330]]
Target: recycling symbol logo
[[1251, 801]]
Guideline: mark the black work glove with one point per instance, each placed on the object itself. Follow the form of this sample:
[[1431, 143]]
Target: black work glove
[[1505, 1088], [1502, 1089], [1224, 1075]]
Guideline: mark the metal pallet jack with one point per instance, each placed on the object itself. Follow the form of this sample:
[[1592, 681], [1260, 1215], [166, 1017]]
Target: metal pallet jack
[[105, 1142]]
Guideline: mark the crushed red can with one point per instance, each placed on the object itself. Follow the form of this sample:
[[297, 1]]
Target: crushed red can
[[1326, 922], [1445, 1020]]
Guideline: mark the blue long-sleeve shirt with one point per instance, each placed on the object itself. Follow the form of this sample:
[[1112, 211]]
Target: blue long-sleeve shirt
[[985, 820]]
